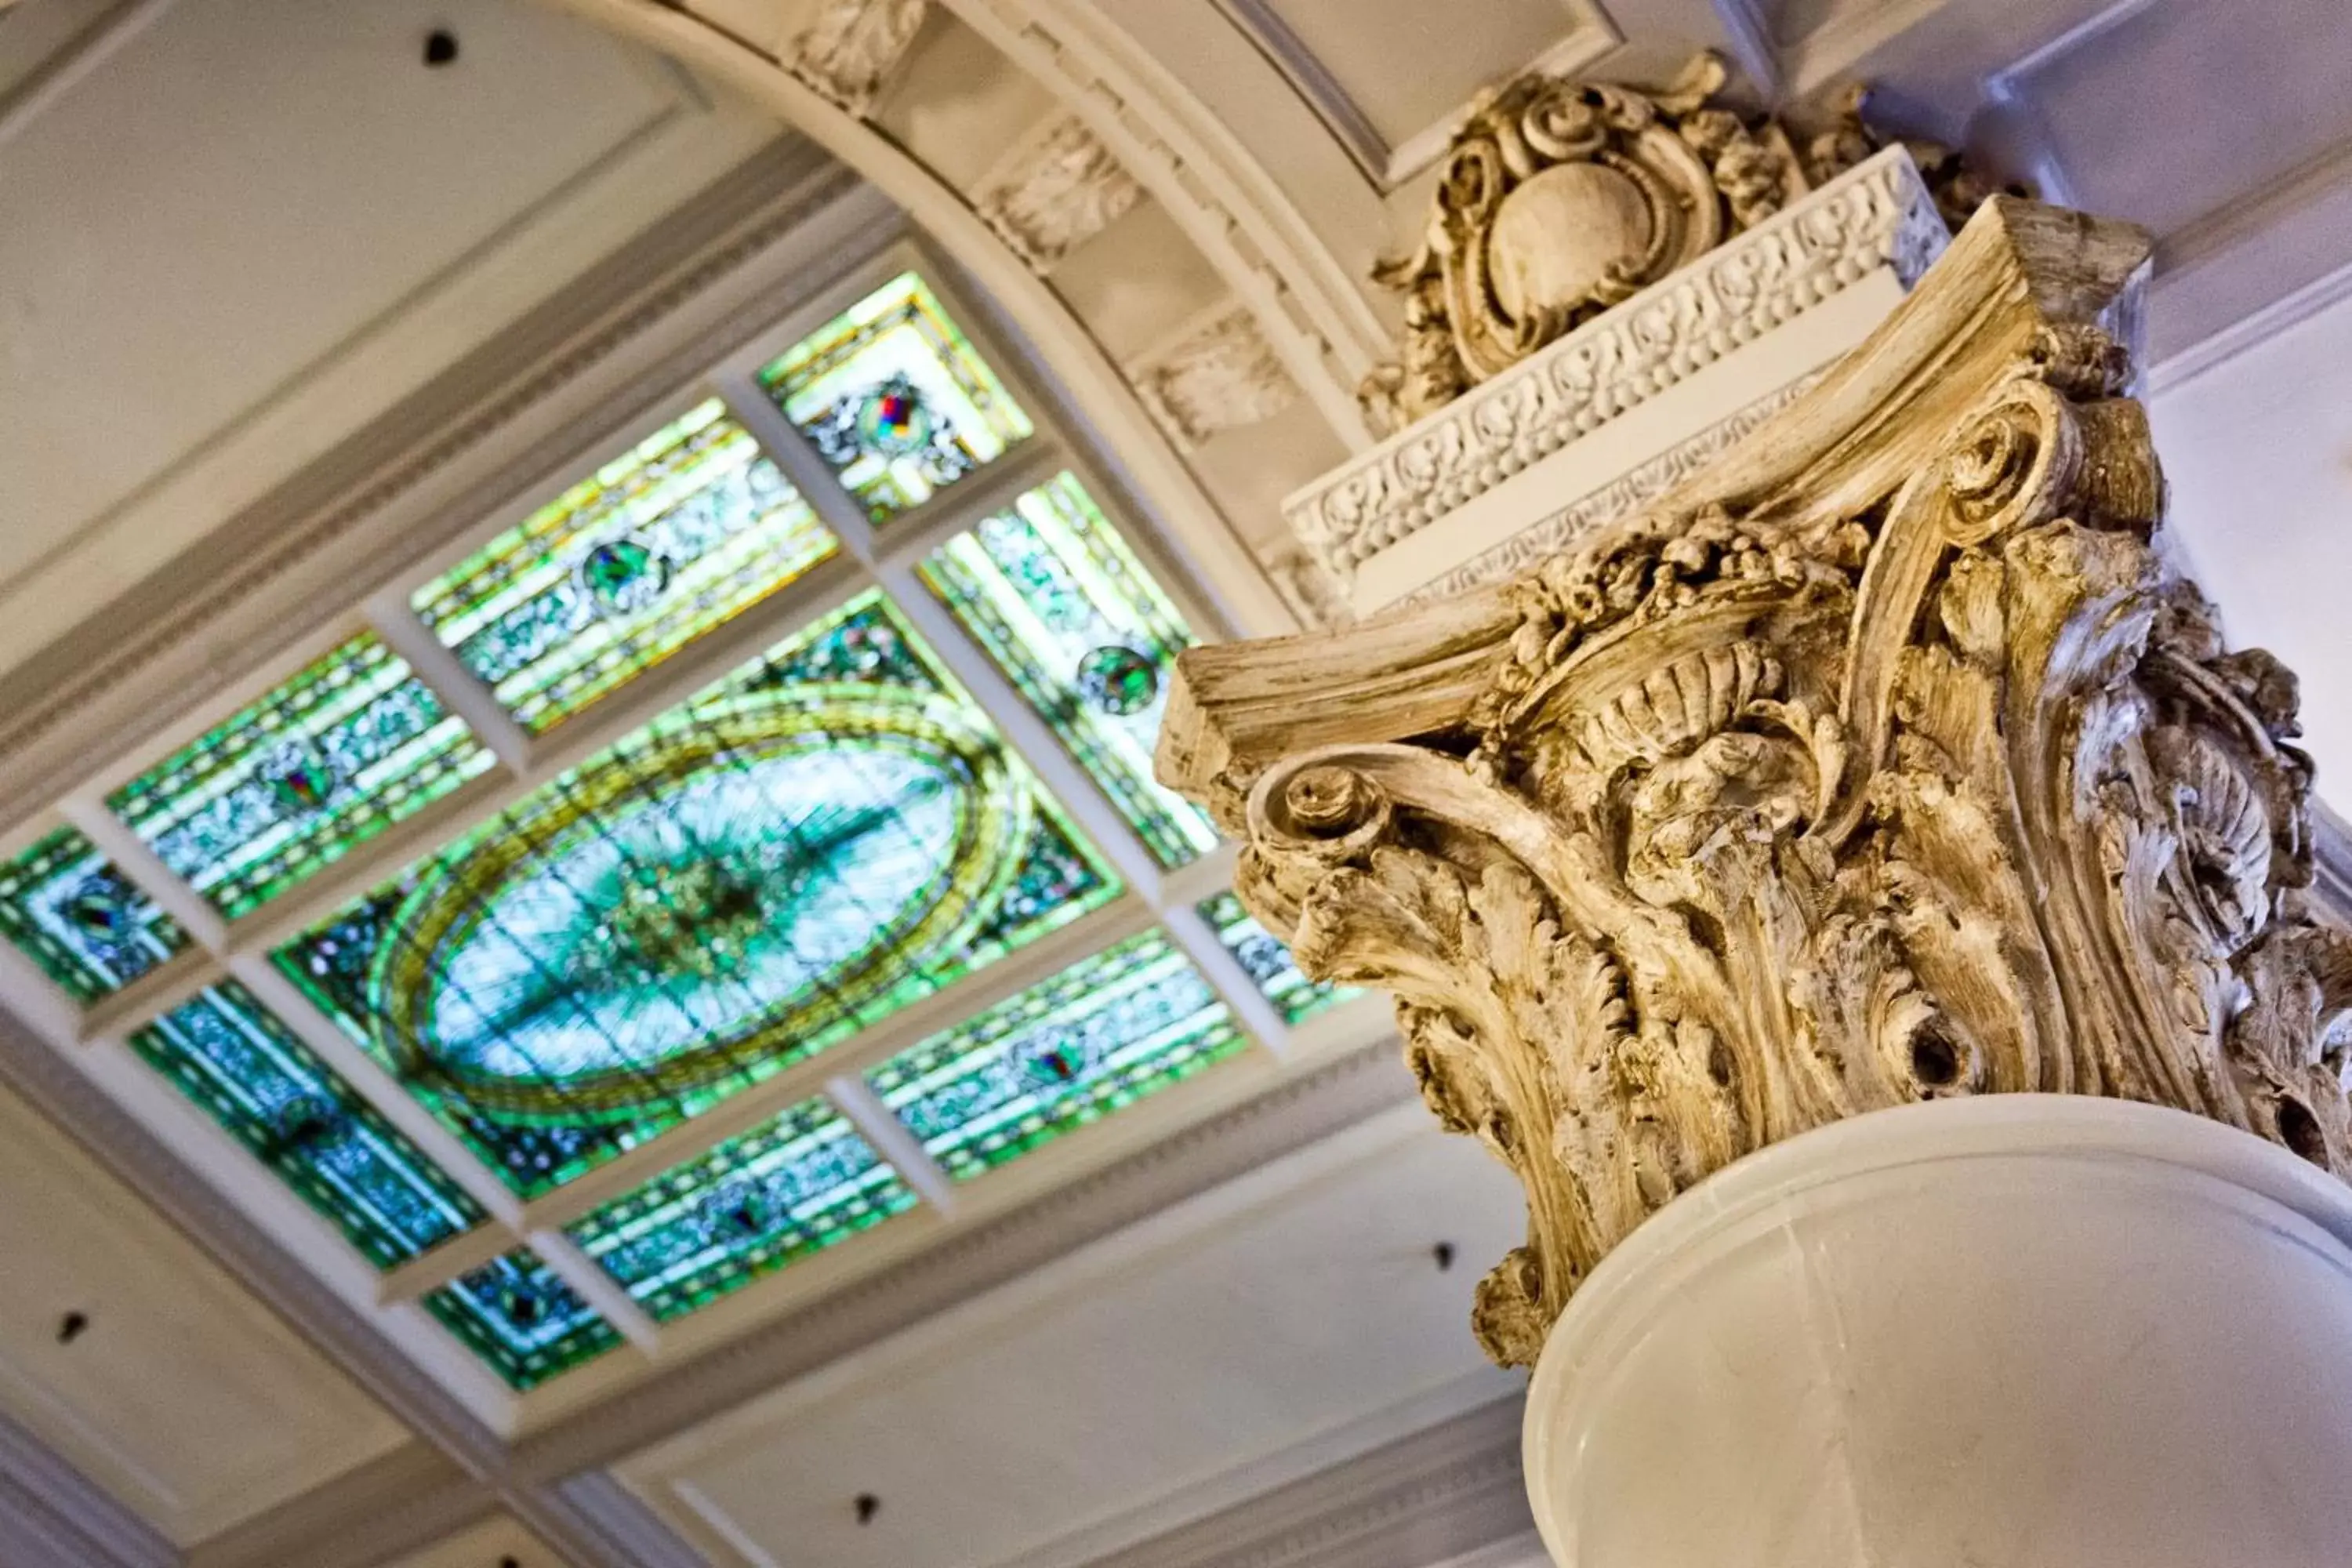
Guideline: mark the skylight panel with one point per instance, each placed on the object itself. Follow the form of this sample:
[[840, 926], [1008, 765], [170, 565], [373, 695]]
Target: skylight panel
[[76, 917], [1104, 1033], [672, 539], [1062, 604], [352, 745], [789, 1188], [520, 1317], [1268, 962], [832, 832], [247, 1071], [896, 398]]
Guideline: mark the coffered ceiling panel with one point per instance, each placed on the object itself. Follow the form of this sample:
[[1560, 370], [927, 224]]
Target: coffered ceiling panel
[[1270, 1329], [497, 1542], [137, 1359], [261, 222]]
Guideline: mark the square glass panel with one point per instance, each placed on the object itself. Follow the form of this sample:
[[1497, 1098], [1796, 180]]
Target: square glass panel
[[793, 1186], [1104, 1033], [520, 1317], [79, 918], [246, 1069], [683, 530], [896, 398], [343, 750], [1268, 962], [1062, 604], [828, 834]]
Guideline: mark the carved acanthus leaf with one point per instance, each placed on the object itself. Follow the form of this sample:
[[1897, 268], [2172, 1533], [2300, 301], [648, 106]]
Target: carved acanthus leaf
[[850, 48], [1218, 375], [1885, 758], [1057, 189]]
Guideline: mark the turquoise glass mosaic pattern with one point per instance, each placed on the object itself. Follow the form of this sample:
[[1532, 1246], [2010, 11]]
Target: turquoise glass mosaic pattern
[[246, 1070], [686, 529], [1067, 612], [895, 397], [80, 919], [1101, 1035], [343, 750], [523, 1320], [793, 1186], [1267, 961], [830, 833]]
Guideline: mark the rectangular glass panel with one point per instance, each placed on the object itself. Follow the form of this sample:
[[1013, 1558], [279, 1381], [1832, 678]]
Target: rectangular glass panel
[[1073, 618], [683, 530], [784, 1190], [896, 398], [1101, 1035], [830, 833], [344, 749], [81, 919], [1268, 962], [520, 1317], [231, 1056]]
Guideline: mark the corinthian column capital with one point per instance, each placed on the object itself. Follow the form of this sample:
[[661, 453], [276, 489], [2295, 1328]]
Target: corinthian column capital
[[1887, 759]]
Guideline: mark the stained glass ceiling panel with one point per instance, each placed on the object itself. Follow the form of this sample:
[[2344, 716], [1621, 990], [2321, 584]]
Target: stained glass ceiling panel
[[686, 529], [80, 919], [352, 745], [523, 1320], [830, 833], [784, 1190], [896, 398], [1101, 1035], [1268, 962], [246, 1070], [1067, 612]]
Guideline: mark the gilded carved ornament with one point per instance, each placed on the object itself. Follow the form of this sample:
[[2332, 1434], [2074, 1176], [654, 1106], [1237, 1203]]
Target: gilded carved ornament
[[1558, 199], [1886, 758]]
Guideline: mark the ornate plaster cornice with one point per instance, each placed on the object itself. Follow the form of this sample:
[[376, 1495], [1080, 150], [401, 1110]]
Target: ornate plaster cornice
[[1887, 758], [1054, 190], [1878, 215]]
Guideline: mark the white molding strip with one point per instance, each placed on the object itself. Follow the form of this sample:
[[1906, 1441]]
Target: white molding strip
[[53, 1516]]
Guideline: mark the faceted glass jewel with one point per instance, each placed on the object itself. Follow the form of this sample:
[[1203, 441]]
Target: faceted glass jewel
[[70, 911], [521, 1318]]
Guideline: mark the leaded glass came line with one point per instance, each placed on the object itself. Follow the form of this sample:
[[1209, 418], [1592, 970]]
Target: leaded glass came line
[[793, 1186], [896, 398], [685, 530], [1104, 1033], [230, 1056], [80, 919], [827, 835], [523, 1320], [1075, 620], [352, 745]]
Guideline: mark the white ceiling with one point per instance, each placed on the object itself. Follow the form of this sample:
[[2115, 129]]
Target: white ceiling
[[1279, 1324]]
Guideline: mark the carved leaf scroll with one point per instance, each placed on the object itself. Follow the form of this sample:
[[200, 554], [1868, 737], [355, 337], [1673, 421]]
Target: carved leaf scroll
[[1885, 759]]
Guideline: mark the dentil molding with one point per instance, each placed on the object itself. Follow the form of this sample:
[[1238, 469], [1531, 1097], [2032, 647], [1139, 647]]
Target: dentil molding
[[1888, 758]]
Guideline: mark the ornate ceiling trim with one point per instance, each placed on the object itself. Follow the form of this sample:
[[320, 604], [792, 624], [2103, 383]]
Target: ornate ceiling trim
[[53, 1516]]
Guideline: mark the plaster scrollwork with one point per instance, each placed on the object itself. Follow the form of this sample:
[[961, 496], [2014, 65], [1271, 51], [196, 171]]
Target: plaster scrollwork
[[1057, 189], [1218, 373], [847, 52], [1887, 758], [1877, 216], [1560, 199]]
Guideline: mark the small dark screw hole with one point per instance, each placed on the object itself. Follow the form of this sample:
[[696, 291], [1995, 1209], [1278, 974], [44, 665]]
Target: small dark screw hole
[[2299, 1131], [509, 1562], [70, 1327], [1444, 1253], [868, 1505], [1935, 1060], [440, 47]]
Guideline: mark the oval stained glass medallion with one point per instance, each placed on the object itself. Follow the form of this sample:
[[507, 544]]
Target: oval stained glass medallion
[[672, 914]]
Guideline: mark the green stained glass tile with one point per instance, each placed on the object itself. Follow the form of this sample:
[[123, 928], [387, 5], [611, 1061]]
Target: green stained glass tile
[[246, 1069], [831, 832], [80, 919], [1101, 1035], [793, 1186], [343, 750], [896, 398], [1067, 612], [683, 532], [1268, 964], [520, 1317]]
